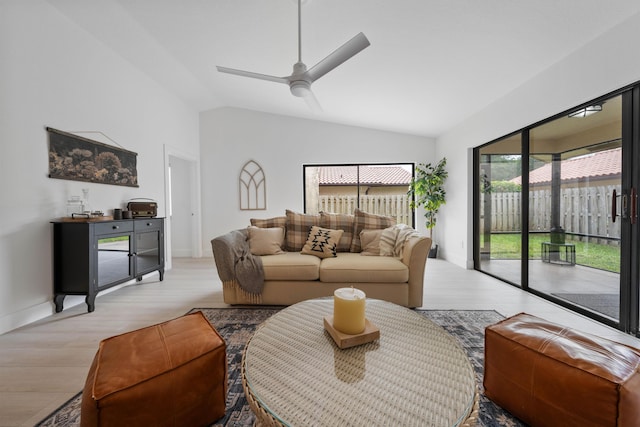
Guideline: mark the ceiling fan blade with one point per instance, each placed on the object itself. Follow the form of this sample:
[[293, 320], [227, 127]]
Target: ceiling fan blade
[[338, 56], [253, 75], [312, 102]]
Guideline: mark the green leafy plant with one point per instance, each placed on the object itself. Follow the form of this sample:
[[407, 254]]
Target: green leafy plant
[[427, 190], [505, 187]]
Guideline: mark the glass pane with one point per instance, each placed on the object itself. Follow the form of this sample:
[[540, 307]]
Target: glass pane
[[147, 251], [575, 165], [377, 189], [113, 259], [331, 189], [383, 191], [500, 209]]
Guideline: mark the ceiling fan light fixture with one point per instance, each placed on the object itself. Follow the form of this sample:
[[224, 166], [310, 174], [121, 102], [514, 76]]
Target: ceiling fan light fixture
[[587, 111], [300, 88]]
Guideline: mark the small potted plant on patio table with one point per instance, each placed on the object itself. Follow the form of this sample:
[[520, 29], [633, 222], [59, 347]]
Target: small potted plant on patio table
[[427, 191]]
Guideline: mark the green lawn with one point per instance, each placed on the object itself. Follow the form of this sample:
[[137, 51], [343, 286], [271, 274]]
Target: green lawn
[[604, 257], [114, 239]]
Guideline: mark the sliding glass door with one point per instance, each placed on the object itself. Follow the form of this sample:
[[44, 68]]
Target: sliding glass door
[[556, 209], [499, 230], [575, 177]]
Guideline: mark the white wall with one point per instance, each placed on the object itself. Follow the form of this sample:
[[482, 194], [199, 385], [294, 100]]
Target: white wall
[[281, 145], [604, 65], [52, 73]]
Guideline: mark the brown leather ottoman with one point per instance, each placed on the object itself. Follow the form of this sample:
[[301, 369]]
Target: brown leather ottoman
[[170, 374], [546, 374]]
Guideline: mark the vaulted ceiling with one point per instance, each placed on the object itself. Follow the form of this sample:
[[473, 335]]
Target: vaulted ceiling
[[431, 63]]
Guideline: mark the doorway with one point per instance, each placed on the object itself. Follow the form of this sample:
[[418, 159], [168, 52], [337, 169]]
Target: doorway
[[575, 175], [182, 191]]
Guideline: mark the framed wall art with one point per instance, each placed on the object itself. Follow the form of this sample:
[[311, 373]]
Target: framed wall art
[[76, 158], [253, 187]]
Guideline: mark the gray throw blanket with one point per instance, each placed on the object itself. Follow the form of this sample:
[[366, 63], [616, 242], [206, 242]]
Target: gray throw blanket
[[236, 263]]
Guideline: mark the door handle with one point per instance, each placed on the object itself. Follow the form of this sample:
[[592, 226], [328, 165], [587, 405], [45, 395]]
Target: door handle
[[634, 205], [627, 211]]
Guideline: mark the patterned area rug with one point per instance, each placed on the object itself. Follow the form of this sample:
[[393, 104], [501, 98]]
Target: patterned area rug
[[236, 325]]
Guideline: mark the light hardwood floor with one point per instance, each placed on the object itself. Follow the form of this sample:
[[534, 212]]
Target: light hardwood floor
[[45, 363]]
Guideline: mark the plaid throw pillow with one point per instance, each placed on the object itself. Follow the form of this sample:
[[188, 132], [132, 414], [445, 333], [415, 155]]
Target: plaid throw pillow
[[342, 222], [298, 226], [278, 221], [364, 220], [322, 242]]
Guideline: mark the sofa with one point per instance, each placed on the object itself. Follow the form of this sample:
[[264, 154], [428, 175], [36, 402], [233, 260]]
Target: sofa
[[291, 258]]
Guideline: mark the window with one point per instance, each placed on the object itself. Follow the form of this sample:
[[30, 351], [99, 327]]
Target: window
[[375, 188]]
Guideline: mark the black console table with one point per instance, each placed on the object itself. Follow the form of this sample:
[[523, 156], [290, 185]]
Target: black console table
[[91, 255]]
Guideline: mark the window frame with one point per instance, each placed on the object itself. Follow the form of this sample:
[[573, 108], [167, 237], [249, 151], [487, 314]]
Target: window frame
[[412, 165]]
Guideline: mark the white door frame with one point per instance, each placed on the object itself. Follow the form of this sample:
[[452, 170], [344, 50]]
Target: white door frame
[[196, 208]]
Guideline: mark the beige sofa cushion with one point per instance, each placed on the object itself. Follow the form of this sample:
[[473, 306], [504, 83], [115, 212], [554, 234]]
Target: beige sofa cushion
[[351, 267], [265, 241], [291, 266], [370, 242]]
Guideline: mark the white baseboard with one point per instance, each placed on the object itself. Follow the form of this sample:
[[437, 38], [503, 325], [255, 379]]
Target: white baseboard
[[182, 253], [40, 311], [24, 317]]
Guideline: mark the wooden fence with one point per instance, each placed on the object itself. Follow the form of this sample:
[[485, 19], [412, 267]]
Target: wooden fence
[[393, 205], [584, 211]]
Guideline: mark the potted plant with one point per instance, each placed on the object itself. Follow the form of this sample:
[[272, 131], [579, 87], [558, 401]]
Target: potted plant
[[427, 191]]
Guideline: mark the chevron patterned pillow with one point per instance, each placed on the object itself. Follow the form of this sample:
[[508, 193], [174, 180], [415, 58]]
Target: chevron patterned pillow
[[322, 242]]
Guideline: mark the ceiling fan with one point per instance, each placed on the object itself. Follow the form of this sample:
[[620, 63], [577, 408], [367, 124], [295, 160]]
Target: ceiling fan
[[301, 78]]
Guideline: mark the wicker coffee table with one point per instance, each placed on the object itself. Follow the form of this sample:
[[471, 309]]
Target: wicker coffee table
[[416, 374]]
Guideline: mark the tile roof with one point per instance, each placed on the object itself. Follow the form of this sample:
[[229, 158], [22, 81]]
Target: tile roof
[[369, 175], [597, 165]]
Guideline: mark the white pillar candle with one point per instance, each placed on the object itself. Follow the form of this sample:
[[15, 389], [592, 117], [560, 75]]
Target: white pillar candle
[[348, 310]]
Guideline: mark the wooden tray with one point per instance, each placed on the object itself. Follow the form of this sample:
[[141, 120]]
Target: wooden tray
[[370, 333], [84, 219]]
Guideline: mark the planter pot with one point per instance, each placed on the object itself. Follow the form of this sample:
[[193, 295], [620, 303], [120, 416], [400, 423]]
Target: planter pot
[[433, 252]]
